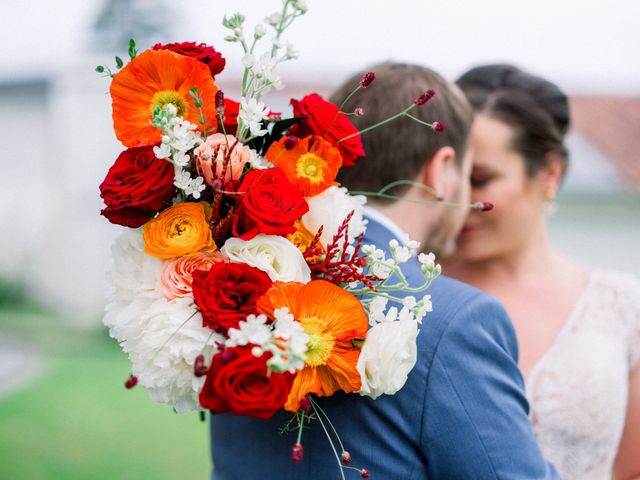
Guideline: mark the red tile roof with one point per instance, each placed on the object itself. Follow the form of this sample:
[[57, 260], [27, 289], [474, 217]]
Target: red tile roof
[[612, 124]]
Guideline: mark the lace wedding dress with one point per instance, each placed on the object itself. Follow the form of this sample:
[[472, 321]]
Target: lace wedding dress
[[578, 389]]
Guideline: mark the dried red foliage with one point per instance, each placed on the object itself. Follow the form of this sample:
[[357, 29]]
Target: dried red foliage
[[334, 263]]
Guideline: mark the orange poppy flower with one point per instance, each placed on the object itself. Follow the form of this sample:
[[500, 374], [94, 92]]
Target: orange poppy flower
[[156, 78], [311, 163], [332, 317]]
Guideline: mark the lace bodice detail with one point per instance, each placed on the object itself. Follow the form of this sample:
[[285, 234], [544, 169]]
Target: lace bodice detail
[[578, 389]]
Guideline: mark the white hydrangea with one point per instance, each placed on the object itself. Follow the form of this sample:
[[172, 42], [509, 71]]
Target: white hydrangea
[[163, 353], [162, 338], [329, 209]]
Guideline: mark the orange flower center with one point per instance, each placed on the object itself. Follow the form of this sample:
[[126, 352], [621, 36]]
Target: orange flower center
[[320, 344], [165, 97], [310, 166]]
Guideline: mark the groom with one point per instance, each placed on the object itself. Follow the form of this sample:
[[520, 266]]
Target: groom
[[462, 413]]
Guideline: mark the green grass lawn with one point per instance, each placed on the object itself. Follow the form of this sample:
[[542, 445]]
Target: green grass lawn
[[77, 421]]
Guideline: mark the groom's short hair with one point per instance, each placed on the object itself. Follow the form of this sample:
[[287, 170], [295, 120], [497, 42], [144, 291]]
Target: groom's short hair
[[400, 149]]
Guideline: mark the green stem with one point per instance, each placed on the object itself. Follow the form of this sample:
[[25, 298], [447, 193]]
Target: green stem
[[333, 447], [379, 124], [329, 421], [418, 120], [344, 102]]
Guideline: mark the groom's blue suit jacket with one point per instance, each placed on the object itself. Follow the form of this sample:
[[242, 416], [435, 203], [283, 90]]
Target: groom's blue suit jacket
[[461, 415]]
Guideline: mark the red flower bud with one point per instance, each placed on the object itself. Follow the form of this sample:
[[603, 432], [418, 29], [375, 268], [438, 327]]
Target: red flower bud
[[367, 79], [226, 355], [346, 457], [364, 473], [486, 206], [199, 367], [131, 382], [290, 143], [438, 126], [425, 97], [220, 102], [297, 453], [305, 404], [358, 112]]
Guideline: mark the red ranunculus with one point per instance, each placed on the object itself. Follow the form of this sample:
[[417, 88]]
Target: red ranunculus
[[238, 381], [137, 186], [227, 293], [320, 116], [198, 51], [270, 204]]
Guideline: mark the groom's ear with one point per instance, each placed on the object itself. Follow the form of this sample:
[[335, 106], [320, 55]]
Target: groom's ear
[[435, 170]]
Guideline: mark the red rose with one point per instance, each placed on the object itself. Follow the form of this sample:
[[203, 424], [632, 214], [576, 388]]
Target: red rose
[[201, 52], [239, 382], [231, 112], [270, 204], [137, 186], [321, 114], [227, 293]]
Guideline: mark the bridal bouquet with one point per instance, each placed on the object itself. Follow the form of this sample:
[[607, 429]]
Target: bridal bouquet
[[240, 282]]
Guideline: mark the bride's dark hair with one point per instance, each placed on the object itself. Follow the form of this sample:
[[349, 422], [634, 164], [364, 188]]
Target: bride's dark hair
[[536, 109]]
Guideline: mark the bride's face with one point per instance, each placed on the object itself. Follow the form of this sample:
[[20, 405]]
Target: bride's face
[[498, 176]]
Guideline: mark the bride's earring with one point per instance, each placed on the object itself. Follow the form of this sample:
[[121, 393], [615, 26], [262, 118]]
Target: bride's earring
[[550, 205]]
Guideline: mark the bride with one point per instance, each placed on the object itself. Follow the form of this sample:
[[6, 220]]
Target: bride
[[578, 328]]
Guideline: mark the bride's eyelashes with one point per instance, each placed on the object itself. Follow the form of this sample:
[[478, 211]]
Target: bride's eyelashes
[[480, 180]]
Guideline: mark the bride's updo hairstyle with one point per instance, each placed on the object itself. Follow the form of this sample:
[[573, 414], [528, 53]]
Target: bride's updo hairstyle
[[536, 109]]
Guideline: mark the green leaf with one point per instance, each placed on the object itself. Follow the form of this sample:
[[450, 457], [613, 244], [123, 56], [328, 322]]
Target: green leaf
[[132, 49], [119, 62], [100, 69]]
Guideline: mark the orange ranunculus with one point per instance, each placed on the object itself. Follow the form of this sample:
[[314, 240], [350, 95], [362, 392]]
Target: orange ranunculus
[[332, 317], [302, 237], [156, 78], [311, 163], [179, 230]]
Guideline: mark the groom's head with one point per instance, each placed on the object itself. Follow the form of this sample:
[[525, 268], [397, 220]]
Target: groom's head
[[405, 149]]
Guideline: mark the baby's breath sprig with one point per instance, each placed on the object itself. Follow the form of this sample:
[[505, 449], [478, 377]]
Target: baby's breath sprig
[[258, 76]]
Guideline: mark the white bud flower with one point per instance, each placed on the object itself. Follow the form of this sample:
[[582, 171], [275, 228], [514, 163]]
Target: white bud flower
[[273, 19], [260, 31], [248, 61]]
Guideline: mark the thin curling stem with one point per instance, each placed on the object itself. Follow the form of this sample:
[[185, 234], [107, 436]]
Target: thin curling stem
[[326, 432], [420, 185], [379, 124], [344, 102], [421, 122], [329, 421], [475, 206]]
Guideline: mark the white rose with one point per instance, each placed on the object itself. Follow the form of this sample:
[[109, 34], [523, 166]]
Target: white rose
[[388, 355], [276, 256], [330, 208]]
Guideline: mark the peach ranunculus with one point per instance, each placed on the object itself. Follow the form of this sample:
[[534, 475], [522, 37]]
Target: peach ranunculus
[[179, 230], [177, 274], [212, 153]]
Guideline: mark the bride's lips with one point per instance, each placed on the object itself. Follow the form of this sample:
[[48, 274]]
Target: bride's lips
[[467, 229]]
